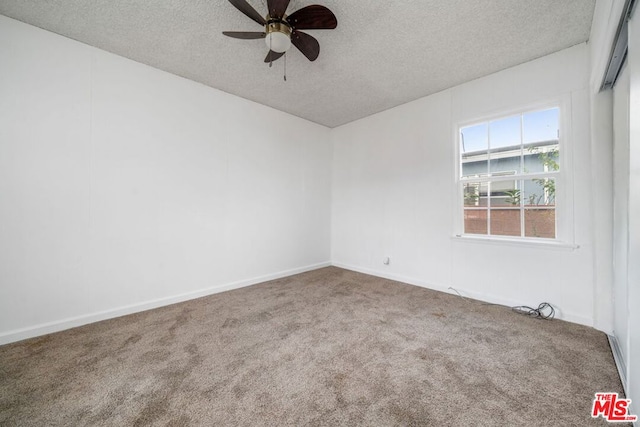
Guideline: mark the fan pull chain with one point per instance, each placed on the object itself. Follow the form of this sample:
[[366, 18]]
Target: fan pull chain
[[285, 66]]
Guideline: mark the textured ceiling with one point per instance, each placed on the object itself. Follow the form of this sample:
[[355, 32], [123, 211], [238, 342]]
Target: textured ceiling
[[383, 53]]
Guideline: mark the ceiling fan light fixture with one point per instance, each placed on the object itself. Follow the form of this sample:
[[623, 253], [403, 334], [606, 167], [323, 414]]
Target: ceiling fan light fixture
[[278, 37]]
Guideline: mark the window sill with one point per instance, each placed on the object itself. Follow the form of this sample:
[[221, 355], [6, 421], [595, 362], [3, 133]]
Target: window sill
[[532, 243]]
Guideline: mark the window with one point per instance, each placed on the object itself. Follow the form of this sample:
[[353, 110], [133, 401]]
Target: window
[[509, 168]]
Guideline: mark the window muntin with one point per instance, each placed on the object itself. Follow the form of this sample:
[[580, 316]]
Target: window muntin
[[509, 168]]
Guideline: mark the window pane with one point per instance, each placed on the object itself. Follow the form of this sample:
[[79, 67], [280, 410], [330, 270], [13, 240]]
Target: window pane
[[540, 126], [475, 194], [542, 158], [474, 138], [540, 222], [505, 222], [504, 133], [539, 192], [505, 193], [474, 166], [505, 147], [505, 162], [475, 221], [474, 146], [471, 194]]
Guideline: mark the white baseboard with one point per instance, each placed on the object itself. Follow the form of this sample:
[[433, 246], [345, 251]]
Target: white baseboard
[[619, 359], [72, 322], [391, 276], [493, 299]]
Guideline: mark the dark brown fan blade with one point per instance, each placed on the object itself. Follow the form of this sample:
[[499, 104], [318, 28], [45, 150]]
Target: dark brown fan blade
[[314, 17], [277, 8], [246, 8], [272, 56], [247, 35], [307, 44]]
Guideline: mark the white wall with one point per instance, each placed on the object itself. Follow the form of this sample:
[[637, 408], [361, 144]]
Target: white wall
[[621, 213], [123, 187], [633, 367], [623, 128], [603, 30], [394, 193]]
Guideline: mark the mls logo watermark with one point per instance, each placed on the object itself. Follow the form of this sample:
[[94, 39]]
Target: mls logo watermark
[[611, 408]]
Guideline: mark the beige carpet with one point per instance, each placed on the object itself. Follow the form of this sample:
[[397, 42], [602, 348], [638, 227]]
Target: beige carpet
[[328, 347]]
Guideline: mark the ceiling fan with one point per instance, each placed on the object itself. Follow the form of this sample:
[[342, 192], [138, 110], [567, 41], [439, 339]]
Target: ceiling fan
[[281, 30]]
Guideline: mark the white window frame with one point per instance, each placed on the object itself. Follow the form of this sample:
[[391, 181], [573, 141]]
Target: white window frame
[[564, 203]]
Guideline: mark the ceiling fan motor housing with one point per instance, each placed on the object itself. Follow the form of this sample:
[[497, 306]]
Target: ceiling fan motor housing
[[278, 37]]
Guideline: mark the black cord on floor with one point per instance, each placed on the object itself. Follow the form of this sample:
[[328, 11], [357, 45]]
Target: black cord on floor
[[544, 311]]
